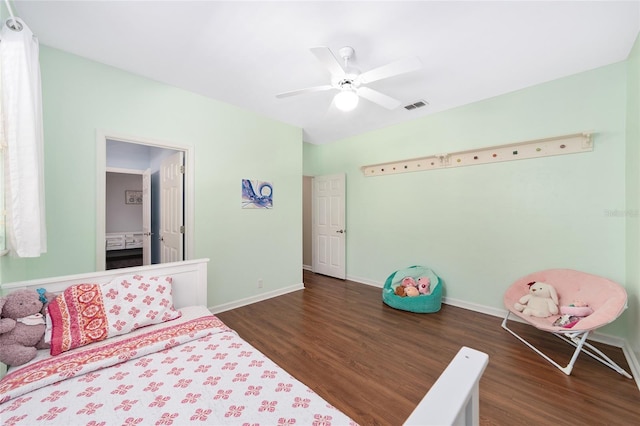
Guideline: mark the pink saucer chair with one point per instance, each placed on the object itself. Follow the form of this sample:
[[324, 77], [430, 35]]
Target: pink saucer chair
[[606, 298]]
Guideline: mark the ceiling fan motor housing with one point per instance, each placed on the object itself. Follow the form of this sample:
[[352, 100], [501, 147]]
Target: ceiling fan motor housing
[[347, 83]]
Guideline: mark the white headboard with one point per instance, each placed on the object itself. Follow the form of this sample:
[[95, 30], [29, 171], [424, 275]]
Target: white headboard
[[189, 285], [189, 280]]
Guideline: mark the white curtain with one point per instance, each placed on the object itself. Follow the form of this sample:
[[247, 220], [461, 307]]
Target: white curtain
[[21, 135]]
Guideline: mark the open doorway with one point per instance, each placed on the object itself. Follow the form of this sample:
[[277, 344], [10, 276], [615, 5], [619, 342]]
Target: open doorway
[[132, 231], [124, 219]]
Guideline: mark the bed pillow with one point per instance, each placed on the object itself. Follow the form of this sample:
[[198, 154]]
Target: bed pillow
[[86, 313]]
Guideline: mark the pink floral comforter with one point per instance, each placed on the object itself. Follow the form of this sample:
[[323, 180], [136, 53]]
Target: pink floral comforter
[[195, 371]]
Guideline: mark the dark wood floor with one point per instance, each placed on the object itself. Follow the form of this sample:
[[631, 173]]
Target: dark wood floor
[[375, 363]]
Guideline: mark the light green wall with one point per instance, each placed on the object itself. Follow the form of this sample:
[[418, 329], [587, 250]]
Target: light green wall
[[80, 96], [478, 227], [4, 13], [482, 227], [633, 195]]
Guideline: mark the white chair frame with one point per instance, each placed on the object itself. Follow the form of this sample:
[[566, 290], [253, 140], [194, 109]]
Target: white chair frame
[[577, 339]]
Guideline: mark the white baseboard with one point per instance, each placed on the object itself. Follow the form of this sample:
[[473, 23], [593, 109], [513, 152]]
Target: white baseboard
[[254, 299], [632, 360], [307, 268], [365, 281], [489, 310], [607, 339]]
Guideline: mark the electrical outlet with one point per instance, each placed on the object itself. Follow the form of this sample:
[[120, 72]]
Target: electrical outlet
[[259, 282]]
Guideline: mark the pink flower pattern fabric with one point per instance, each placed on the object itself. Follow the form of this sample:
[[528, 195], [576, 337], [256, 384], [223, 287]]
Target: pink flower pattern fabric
[[216, 379], [87, 313], [78, 318]]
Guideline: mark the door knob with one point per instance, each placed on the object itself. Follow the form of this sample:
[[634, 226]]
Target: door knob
[[341, 231]]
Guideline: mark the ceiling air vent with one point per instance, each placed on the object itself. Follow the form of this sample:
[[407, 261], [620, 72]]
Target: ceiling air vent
[[415, 105]]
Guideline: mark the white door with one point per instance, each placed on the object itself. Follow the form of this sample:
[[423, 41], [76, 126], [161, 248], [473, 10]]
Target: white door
[[328, 234], [146, 217], [171, 208]]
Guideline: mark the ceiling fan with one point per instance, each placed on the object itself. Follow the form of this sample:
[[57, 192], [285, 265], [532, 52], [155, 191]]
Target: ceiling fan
[[351, 83]]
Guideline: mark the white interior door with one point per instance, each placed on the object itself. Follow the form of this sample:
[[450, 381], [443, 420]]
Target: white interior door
[[328, 235], [146, 217], [171, 208]]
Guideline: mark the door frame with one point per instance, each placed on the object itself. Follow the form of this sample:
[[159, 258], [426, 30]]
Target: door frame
[[101, 169]]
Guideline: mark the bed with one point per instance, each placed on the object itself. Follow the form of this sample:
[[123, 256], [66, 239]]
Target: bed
[[189, 369]]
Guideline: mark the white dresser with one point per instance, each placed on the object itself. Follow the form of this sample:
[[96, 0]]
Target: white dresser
[[123, 249], [123, 240]]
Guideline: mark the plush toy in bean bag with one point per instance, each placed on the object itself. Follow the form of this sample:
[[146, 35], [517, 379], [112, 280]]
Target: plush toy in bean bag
[[408, 282], [411, 291], [542, 300], [22, 325], [424, 285], [399, 291]]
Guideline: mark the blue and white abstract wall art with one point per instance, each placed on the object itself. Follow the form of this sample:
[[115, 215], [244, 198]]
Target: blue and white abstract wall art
[[257, 194]]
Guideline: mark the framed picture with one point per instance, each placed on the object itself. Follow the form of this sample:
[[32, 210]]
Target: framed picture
[[132, 197], [257, 194]]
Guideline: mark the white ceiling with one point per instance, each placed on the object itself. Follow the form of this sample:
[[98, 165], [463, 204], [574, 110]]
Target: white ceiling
[[244, 53]]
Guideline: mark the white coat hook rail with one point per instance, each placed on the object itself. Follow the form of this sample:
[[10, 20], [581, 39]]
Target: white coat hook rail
[[12, 22], [568, 144]]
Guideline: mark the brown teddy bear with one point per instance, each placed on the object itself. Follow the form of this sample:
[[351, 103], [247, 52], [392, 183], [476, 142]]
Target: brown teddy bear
[[22, 325]]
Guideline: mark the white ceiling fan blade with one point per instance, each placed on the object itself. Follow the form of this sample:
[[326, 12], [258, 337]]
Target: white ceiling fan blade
[[394, 68], [378, 98], [325, 56], [303, 91]]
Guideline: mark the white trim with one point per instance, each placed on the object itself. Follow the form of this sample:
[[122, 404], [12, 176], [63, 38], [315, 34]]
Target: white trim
[[607, 339], [125, 171], [189, 188], [632, 360], [254, 299], [483, 309], [101, 191], [365, 281]]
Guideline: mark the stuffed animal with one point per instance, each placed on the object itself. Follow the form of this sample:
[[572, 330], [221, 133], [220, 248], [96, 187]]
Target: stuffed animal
[[578, 308], [408, 282], [424, 284], [542, 300], [399, 291], [22, 325], [411, 291]]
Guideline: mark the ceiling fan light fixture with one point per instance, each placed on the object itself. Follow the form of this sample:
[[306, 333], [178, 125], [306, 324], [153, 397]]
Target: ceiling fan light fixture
[[346, 100]]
